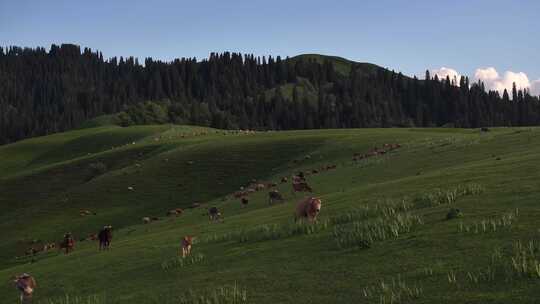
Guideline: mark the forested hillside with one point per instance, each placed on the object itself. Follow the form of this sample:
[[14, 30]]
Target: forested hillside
[[43, 92]]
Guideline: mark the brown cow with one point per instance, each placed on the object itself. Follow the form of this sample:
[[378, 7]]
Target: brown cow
[[175, 212], [67, 244], [26, 284], [274, 195], [308, 208], [187, 243]]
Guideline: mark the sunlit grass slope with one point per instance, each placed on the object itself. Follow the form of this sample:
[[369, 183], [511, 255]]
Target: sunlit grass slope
[[382, 236]]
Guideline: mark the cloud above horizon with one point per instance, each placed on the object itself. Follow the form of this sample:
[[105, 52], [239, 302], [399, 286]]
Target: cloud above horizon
[[443, 72], [493, 80]]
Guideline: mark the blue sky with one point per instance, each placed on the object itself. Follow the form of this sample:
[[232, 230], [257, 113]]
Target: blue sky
[[409, 36]]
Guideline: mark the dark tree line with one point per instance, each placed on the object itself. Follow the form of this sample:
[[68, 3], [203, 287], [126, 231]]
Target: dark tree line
[[45, 92]]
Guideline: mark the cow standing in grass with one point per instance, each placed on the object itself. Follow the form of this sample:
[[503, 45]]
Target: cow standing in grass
[[244, 201], [273, 196], [214, 214], [308, 208], [68, 243], [105, 238], [26, 284], [187, 243]]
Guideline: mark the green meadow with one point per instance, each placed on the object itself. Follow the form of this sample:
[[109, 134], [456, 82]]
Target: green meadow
[[449, 217]]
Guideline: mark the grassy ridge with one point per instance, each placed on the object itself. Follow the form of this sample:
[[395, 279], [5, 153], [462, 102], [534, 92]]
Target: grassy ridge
[[258, 248]]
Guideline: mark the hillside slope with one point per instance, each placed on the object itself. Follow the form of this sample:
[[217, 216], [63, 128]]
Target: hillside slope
[[49, 91], [382, 233]]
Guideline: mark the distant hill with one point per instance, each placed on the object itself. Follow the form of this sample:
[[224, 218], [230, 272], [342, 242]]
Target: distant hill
[[43, 92], [341, 65]]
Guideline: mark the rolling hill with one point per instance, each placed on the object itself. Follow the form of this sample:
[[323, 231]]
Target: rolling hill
[[43, 92], [451, 216]]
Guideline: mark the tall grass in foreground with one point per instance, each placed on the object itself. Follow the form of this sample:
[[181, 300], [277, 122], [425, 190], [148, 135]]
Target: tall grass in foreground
[[439, 197], [505, 222], [367, 211], [364, 234], [521, 261], [525, 258], [395, 291], [222, 295], [271, 232]]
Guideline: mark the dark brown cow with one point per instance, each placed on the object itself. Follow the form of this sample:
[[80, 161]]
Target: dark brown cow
[[274, 195], [244, 202], [67, 244], [214, 214], [105, 238]]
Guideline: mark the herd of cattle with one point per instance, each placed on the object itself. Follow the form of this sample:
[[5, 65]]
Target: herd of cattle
[[308, 208]]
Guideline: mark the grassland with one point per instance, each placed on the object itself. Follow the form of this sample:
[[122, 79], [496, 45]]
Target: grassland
[[382, 236]]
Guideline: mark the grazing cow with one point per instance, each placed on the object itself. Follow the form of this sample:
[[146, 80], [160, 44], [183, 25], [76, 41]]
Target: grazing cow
[[68, 243], [26, 284], [244, 201], [49, 246], [146, 220], [274, 195], [173, 212], [301, 187], [284, 180], [187, 242], [105, 238], [214, 214], [259, 187], [308, 208]]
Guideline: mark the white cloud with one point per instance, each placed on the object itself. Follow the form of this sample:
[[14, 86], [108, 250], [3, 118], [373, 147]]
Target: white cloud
[[493, 81], [443, 72], [486, 74], [535, 87]]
